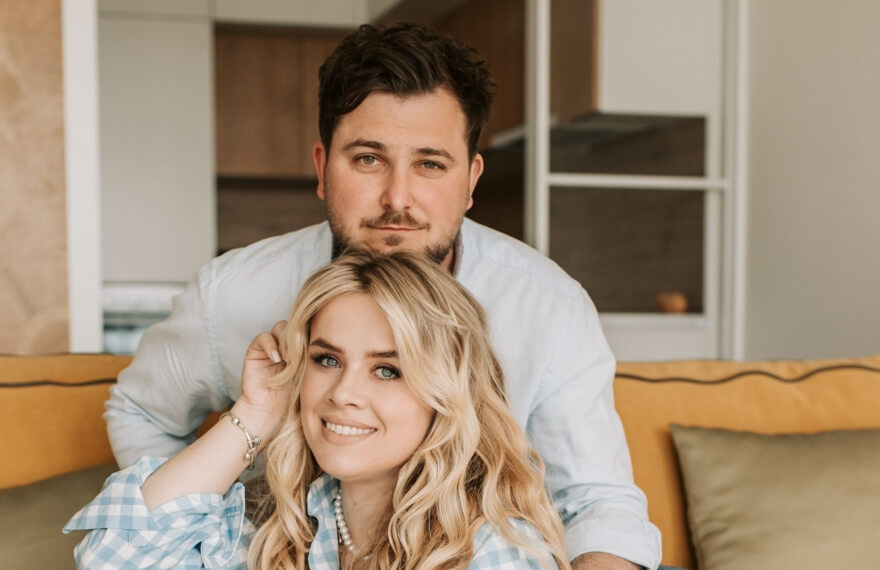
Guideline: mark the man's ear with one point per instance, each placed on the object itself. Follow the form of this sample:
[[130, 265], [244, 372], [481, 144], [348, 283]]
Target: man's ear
[[475, 173], [319, 156]]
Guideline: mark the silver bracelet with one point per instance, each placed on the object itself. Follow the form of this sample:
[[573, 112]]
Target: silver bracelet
[[253, 441]]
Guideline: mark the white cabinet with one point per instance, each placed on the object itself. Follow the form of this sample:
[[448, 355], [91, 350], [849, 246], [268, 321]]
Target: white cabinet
[[160, 8], [660, 57], [157, 144], [329, 13], [657, 128]]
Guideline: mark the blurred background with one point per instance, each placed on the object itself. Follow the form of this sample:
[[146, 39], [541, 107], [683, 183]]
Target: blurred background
[[707, 169]]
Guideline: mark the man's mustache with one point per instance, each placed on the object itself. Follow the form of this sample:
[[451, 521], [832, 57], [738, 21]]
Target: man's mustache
[[389, 218]]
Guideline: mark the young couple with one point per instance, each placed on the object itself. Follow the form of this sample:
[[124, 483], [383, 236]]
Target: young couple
[[401, 111]]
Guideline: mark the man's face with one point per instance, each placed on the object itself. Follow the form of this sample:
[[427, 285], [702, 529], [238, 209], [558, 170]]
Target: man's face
[[397, 175]]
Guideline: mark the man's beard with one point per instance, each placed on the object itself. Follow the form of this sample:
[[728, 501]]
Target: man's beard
[[436, 252]]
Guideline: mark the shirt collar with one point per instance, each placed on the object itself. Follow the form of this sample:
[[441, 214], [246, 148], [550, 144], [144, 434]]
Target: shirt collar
[[458, 249], [324, 550]]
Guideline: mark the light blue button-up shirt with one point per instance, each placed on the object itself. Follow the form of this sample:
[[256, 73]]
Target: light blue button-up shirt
[[545, 330]]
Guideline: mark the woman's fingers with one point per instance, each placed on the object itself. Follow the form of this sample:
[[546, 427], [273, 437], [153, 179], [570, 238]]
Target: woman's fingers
[[264, 346], [279, 334]]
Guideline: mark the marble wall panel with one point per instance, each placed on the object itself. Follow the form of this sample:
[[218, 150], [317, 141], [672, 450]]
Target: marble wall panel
[[33, 245]]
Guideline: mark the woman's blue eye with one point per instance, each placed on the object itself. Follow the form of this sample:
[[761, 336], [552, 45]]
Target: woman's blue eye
[[387, 373], [327, 361]]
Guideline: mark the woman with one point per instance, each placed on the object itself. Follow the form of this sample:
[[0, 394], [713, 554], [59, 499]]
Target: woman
[[392, 445]]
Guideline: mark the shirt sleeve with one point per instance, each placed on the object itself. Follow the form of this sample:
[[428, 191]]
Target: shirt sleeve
[[194, 531], [493, 551], [576, 429], [172, 384]]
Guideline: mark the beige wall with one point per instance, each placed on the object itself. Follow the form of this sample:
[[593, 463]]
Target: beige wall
[[33, 248], [813, 258]]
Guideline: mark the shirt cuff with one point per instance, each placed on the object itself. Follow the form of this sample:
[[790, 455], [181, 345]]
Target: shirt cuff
[[632, 539]]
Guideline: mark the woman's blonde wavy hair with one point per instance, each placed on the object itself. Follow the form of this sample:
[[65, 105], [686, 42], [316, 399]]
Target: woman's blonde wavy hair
[[474, 466]]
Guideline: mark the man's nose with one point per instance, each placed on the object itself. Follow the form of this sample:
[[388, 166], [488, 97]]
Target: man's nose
[[397, 193]]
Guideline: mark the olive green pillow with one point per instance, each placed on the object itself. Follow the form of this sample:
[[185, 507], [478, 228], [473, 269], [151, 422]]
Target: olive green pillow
[[32, 516], [781, 501]]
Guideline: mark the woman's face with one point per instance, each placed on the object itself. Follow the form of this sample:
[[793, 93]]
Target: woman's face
[[360, 418]]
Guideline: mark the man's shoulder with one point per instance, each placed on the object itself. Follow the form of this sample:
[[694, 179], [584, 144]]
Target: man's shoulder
[[303, 250], [498, 256]]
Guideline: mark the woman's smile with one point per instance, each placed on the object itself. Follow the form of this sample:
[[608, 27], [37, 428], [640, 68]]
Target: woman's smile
[[340, 429]]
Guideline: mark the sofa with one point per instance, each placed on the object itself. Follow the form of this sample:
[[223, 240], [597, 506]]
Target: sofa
[[736, 458]]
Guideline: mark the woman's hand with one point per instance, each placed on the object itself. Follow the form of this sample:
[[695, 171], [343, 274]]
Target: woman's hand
[[261, 403], [215, 460]]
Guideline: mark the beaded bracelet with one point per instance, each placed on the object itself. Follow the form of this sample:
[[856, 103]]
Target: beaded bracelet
[[253, 441]]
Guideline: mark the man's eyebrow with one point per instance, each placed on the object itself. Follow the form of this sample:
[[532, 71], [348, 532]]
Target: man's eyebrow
[[376, 145], [429, 151]]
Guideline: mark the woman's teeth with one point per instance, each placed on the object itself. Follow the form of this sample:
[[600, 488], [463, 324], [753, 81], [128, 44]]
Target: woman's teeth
[[347, 430]]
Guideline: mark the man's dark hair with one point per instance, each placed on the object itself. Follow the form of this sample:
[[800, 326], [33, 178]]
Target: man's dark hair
[[404, 59]]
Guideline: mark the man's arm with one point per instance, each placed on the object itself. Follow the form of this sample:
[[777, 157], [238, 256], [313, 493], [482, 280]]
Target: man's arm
[[172, 384], [578, 433], [601, 561]]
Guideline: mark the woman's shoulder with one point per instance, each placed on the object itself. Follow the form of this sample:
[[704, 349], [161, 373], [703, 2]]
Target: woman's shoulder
[[494, 549]]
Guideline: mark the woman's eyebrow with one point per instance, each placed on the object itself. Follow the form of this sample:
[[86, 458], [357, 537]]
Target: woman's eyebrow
[[383, 354], [324, 344], [320, 342]]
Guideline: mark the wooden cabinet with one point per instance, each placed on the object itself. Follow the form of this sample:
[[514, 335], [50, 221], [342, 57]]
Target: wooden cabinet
[[266, 98]]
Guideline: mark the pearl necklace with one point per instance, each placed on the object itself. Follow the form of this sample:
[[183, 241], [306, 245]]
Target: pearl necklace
[[344, 534]]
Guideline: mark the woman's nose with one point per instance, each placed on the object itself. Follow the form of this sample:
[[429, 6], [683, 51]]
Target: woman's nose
[[347, 390]]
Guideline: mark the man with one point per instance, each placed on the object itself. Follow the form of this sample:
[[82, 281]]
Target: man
[[400, 117]]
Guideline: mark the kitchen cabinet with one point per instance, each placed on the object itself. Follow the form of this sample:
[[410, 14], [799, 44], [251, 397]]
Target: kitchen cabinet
[[266, 86], [610, 57]]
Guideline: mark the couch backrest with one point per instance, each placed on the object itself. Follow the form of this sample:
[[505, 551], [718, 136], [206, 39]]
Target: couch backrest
[[51, 414], [768, 397]]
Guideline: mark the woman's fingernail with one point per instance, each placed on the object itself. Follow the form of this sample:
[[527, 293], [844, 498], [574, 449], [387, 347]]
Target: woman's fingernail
[[276, 358]]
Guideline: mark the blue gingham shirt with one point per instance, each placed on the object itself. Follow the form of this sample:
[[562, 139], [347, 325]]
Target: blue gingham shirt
[[210, 531], [545, 331]]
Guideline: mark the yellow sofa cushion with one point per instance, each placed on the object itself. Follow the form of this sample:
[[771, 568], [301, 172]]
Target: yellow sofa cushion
[[51, 414], [785, 396]]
